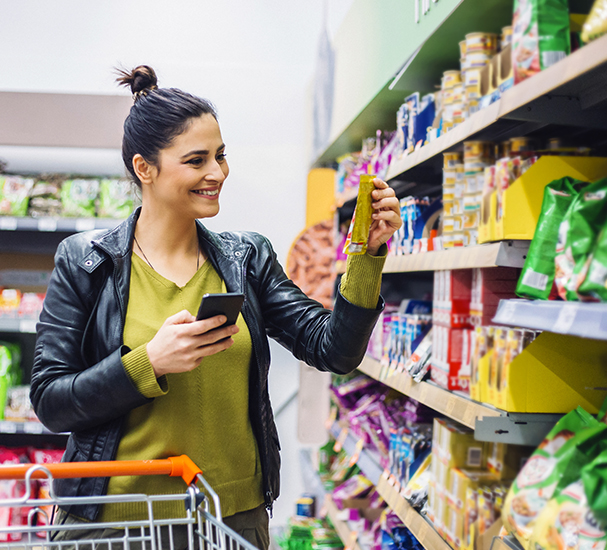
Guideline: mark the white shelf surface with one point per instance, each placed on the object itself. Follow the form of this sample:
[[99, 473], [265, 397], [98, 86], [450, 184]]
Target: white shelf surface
[[59, 225]]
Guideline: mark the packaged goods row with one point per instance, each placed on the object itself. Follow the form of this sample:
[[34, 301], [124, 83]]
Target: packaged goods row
[[16, 489], [540, 36], [56, 195], [547, 498], [15, 404], [15, 304]]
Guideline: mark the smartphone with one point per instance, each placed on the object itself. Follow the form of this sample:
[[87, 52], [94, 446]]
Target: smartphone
[[227, 304]]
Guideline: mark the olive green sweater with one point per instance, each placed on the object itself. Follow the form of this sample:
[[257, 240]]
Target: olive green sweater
[[202, 413]]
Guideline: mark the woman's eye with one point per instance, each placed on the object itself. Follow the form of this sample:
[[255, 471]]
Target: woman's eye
[[221, 157], [196, 161]]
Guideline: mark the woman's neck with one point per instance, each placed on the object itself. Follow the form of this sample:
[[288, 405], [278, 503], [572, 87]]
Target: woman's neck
[[169, 245]]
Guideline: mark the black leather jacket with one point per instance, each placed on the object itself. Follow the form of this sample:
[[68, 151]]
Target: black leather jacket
[[79, 384]]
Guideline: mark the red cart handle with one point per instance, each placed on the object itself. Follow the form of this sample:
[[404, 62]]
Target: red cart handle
[[175, 466]]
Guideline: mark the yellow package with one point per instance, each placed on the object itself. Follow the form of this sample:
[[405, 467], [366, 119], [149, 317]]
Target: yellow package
[[470, 516], [596, 24], [358, 234]]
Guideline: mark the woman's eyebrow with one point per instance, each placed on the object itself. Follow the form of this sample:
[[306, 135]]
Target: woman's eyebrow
[[203, 152]]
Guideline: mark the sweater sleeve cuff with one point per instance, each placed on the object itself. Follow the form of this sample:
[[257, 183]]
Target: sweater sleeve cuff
[[361, 283], [140, 371]]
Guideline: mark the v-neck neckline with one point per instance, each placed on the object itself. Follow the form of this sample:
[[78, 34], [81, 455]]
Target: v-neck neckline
[[167, 282]]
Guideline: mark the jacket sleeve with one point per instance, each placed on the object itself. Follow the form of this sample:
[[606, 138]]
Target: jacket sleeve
[[334, 341], [67, 394]]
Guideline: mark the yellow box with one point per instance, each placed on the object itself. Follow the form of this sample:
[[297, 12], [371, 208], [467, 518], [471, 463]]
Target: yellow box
[[454, 528], [522, 201], [459, 449], [496, 364], [505, 461], [461, 480], [555, 374]]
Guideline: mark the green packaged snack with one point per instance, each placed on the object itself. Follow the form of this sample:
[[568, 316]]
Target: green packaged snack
[[594, 478], [577, 235], [115, 198], [594, 274], [576, 440], [537, 277], [14, 195], [358, 234], [78, 197], [540, 35], [10, 371], [567, 522]]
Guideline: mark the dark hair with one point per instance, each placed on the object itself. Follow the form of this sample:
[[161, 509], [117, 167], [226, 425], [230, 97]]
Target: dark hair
[[157, 117]]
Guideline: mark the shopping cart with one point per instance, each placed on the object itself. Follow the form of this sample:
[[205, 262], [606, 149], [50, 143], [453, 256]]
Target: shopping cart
[[200, 528]]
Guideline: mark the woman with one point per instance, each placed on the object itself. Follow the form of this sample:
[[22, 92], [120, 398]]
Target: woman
[[122, 363]]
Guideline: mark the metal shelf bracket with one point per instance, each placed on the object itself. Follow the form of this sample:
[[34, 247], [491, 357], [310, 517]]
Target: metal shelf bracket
[[515, 428]]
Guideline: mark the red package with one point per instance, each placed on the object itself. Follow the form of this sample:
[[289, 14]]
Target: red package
[[448, 367], [489, 286], [11, 489], [45, 456], [452, 292]]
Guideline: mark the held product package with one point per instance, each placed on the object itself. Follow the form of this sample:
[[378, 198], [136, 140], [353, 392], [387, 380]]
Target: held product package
[[574, 442], [596, 23], [577, 234], [538, 273], [358, 234], [540, 35], [594, 285]]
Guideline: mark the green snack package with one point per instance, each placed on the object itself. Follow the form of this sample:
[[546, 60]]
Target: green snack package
[[115, 198], [594, 273], [10, 371], [576, 440], [358, 234], [594, 478], [537, 277], [14, 195], [577, 235], [78, 197], [540, 35], [567, 522]]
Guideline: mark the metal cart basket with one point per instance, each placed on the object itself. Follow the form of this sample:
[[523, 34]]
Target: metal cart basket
[[198, 529]]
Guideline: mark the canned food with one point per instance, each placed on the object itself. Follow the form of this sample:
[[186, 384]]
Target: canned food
[[458, 206], [450, 160], [459, 190], [462, 48], [448, 208], [447, 240], [458, 238], [520, 145], [458, 222], [471, 183], [458, 93], [447, 97], [447, 224], [448, 192], [477, 150], [481, 41], [450, 79], [506, 38], [477, 60], [502, 149], [473, 92], [473, 106], [472, 76]]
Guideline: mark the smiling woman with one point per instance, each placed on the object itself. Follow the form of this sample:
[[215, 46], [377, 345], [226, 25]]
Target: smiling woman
[[121, 361]]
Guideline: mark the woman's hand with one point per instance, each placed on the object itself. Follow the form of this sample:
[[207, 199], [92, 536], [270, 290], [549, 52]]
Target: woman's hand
[[386, 216], [182, 342]]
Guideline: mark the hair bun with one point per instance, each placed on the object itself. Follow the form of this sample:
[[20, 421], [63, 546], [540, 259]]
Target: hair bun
[[140, 79]]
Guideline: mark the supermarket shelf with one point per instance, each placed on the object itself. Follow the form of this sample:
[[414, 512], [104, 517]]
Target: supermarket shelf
[[568, 93], [504, 253], [588, 320], [18, 325], [35, 428], [347, 536], [423, 530], [367, 462], [56, 225], [488, 423], [459, 408]]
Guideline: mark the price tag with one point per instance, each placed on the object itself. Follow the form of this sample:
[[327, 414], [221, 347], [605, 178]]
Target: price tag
[[469, 414], [8, 427], [28, 326], [8, 223], [565, 319], [341, 439], [359, 447], [85, 224], [450, 405], [32, 428], [47, 224]]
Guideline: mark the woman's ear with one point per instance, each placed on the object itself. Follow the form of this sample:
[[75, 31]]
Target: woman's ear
[[143, 169]]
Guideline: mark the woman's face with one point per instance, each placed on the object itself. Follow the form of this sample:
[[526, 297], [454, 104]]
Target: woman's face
[[191, 171]]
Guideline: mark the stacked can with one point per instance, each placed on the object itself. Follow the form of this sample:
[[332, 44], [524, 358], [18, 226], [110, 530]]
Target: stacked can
[[506, 37], [476, 52], [453, 171], [452, 91], [478, 155]]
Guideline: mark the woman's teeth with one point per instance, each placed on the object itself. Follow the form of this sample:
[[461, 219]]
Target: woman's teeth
[[204, 192]]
